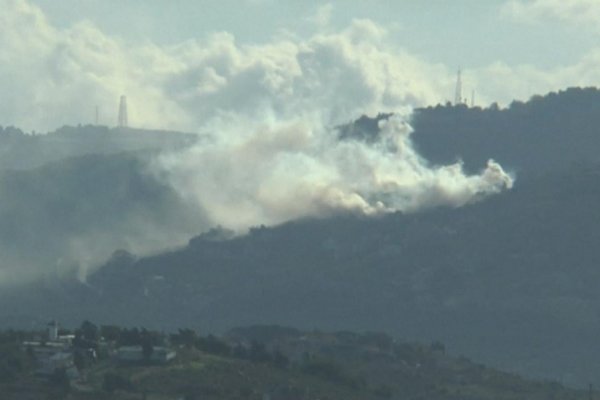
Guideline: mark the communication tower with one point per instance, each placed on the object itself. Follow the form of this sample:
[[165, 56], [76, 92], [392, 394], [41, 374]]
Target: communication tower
[[123, 112], [458, 93]]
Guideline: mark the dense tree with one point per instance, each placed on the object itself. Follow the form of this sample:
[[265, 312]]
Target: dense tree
[[113, 381], [13, 361], [110, 332], [89, 331], [184, 337], [212, 344], [60, 379]]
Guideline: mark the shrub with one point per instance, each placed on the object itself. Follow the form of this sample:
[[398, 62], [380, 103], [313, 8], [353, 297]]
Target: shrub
[[113, 381]]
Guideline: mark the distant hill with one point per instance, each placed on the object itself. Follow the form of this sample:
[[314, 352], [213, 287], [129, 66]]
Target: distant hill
[[267, 362], [74, 213], [511, 281], [70, 198], [19, 150]]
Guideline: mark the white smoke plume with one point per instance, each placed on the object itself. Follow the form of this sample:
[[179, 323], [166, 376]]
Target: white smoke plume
[[254, 173], [274, 154], [270, 111]]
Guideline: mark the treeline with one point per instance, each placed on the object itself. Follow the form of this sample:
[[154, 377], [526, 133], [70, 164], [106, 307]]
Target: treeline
[[255, 351], [13, 360], [88, 335], [253, 345], [543, 134], [249, 362]]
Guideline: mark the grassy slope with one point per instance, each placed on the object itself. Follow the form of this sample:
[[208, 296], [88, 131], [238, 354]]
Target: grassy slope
[[437, 377], [365, 372]]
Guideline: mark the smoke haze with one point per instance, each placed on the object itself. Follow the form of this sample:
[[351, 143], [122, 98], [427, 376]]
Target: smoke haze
[[270, 111], [270, 173]]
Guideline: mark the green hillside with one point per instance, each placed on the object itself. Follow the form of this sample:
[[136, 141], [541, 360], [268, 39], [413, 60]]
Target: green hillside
[[285, 364], [72, 214]]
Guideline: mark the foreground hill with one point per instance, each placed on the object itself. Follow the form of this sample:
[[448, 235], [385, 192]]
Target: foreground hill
[[19, 150], [264, 362], [511, 281]]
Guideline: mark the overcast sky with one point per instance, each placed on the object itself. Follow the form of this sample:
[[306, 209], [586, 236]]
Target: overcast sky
[[472, 33], [68, 49]]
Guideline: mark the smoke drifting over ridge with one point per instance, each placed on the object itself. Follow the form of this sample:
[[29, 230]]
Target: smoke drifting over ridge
[[256, 173], [270, 111]]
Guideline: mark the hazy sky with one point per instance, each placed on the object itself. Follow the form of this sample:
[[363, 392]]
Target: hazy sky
[[150, 50], [471, 33]]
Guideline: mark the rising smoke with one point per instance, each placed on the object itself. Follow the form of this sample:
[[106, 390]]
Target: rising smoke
[[275, 155], [270, 111], [268, 173]]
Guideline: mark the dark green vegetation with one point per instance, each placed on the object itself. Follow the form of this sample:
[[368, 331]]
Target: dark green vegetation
[[70, 198], [265, 362], [546, 133], [74, 213], [511, 281]]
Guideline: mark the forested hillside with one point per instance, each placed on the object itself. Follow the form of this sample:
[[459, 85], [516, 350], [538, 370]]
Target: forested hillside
[[68, 216], [511, 280], [253, 363], [546, 133]]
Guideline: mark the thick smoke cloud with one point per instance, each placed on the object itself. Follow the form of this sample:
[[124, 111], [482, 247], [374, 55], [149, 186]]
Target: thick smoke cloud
[[261, 172], [274, 155], [269, 110]]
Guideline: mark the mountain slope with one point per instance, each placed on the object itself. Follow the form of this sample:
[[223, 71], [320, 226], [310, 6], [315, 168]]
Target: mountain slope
[[19, 150], [261, 362], [546, 133], [511, 280], [72, 214]]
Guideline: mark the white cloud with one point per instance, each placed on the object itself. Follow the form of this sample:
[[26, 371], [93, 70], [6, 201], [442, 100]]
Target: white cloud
[[503, 83], [53, 76], [580, 13], [322, 17]]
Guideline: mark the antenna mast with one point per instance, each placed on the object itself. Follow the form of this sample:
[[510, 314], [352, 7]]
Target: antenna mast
[[458, 93], [123, 113]]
